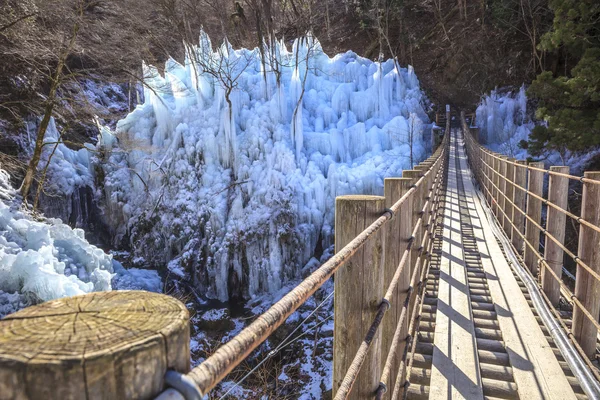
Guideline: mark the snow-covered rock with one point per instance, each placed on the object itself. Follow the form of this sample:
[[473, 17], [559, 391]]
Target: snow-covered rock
[[44, 259], [229, 170], [47, 257]]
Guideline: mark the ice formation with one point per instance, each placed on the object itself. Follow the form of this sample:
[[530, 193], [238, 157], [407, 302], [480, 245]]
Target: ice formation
[[68, 179], [229, 170], [504, 122], [47, 259]]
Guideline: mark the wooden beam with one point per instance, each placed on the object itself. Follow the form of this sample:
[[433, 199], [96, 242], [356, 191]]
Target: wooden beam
[[455, 371], [508, 191], [502, 185]]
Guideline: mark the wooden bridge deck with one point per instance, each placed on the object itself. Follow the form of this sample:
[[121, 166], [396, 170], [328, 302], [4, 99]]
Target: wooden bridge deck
[[480, 338]]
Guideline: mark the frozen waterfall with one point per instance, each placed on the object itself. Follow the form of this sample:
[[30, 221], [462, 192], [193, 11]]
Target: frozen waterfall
[[230, 178]]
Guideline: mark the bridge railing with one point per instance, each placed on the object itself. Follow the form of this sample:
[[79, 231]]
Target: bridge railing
[[514, 190], [382, 246], [385, 278]]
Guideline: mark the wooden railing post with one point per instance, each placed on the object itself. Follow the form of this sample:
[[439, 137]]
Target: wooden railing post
[[509, 174], [587, 288], [489, 175], [491, 182], [359, 288], [478, 154], [414, 175], [423, 193], [502, 185], [518, 219], [475, 133], [495, 186], [558, 194], [101, 345], [398, 233], [416, 208], [535, 183]]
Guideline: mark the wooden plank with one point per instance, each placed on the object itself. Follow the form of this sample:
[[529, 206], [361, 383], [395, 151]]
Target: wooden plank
[[455, 371], [536, 371], [358, 292], [587, 288], [558, 193]]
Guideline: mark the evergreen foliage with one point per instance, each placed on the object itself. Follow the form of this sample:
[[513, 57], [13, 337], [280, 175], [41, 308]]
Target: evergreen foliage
[[569, 103]]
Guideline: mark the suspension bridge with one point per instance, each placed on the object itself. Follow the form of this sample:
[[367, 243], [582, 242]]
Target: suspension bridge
[[453, 285]]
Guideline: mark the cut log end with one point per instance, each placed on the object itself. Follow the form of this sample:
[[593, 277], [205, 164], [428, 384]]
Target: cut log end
[[99, 345]]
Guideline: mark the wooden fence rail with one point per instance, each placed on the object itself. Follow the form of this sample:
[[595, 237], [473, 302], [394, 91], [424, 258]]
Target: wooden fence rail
[[514, 191]]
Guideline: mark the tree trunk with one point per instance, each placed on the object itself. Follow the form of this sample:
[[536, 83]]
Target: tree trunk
[[261, 47], [39, 143], [48, 109]]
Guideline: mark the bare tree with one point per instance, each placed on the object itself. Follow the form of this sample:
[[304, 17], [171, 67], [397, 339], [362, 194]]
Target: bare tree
[[56, 81], [530, 13], [225, 68]]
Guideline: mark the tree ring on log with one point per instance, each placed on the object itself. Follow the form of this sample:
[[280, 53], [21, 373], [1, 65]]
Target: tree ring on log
[[103, 345]]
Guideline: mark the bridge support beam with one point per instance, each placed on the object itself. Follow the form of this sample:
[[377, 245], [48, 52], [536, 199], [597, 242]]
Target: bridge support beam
[[587, 288], [534, 211], [359, 288], [558, 193]]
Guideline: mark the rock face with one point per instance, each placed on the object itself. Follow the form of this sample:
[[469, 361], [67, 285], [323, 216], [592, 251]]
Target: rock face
[[229, 170]]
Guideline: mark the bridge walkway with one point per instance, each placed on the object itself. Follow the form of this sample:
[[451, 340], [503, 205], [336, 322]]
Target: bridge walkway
[[479, 336]]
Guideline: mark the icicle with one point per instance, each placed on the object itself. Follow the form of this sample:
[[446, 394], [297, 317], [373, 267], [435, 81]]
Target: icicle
[[382, 102], [297, 127]]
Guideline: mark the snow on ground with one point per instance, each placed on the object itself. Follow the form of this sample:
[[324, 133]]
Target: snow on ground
[[296, 359], [44, 259], [229, 170]]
